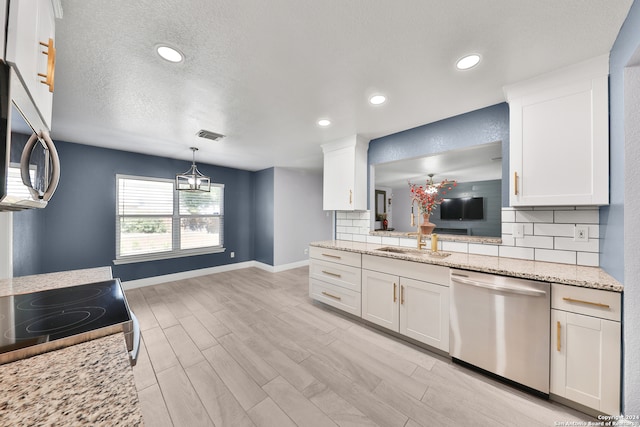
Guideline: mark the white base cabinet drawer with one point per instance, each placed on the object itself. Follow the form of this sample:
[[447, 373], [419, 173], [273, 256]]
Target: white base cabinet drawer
[[591, 302], [334, 255], [336, 296], [342, 275]]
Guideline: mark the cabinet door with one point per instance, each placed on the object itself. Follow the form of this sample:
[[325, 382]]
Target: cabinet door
[[338, 179], [380, 299], [559, 138], [424, 312], [585, 360], [30, 23]]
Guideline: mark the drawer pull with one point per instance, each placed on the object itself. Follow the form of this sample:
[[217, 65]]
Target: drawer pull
[[515, 183], [331, 274], [394, 292], [332, 256], [597, 304], [558, 335], [331, 296], [401, 294]]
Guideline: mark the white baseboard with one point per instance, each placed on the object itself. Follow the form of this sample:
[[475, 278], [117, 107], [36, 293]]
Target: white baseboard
[[156, 280]]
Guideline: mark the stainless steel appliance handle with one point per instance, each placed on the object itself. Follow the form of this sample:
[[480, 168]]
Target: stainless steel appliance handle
[[510, 289], [133, 354]]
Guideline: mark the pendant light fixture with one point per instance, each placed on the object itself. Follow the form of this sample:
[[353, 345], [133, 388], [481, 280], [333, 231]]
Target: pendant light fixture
[[193, 179]]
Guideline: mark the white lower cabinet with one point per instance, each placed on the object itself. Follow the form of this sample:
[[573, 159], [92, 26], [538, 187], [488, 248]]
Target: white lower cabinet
[[585, 347], [415, 308]]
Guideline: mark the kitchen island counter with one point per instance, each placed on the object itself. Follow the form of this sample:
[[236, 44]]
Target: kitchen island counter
[[568, 274]]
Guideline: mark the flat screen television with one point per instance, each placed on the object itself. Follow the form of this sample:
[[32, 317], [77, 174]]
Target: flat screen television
[[462, 209]]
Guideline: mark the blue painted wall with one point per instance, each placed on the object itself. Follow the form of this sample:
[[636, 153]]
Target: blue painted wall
[[77, 229], [264, 215], [478, 127], [612, 216]]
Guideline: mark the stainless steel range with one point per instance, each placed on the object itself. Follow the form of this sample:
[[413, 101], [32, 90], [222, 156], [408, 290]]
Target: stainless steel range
[[38, 322]]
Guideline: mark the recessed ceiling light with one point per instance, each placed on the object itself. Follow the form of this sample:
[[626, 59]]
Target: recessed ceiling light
[[170, 54], [468, 61], [324, 122], [377, 99]]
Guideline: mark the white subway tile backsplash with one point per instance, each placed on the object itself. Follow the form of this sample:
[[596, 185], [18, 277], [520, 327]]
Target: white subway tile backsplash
[[534, 216], [478, 249], [560, 230], [545, 242], [591, 259], [591, 216], [568, 244], [562, 257], [548, 235], [515, 252]]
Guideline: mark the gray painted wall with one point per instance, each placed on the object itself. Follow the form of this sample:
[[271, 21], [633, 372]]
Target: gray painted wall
[[299, 218], [263, 214], [619, 232], [478, 127]]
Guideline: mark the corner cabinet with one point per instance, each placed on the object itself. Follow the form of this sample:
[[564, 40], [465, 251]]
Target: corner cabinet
[[345, 174], [585, 347], [559, 137], [407, 297], [30, 49]]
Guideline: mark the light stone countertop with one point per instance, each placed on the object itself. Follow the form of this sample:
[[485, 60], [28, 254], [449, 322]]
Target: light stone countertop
[[90, 383], [442, 237], [86, 384], [62, 279], [568, 274]]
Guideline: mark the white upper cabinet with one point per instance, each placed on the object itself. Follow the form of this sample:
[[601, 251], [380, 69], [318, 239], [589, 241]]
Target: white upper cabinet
[[30, 48], [345, 174], [559, 137]]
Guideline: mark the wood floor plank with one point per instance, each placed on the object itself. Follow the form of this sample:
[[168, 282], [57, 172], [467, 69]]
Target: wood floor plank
[[244, 389], [163, 315], [159, 350], [339, 410], [220, 404], [357, 395], [140, 307], [187, 352], [211, 323], [268, 414], [251, 362], [181, 399], [198, 333], [234, 323], [298, 407], [143, 373], [154, 410]]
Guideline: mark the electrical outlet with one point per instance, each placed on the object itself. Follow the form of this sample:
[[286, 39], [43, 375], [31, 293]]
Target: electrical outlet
[[306, 251], [232, 254], [581, 233]]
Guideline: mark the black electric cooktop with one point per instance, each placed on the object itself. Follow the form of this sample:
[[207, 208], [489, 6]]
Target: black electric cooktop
[[59, 317]]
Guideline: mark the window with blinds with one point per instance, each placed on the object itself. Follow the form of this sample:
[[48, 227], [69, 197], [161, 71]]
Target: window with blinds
[[155, 221]]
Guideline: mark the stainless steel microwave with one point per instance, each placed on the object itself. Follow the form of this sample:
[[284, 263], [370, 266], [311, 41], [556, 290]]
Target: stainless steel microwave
[[29, 163]]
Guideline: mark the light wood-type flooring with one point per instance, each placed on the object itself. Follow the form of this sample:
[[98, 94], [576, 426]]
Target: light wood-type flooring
[[249, 347]]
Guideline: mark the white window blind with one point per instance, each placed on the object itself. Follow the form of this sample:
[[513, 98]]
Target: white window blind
[[155, 221]]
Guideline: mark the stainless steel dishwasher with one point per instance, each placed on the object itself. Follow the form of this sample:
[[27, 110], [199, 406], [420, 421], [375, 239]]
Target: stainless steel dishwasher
[[501, 325]]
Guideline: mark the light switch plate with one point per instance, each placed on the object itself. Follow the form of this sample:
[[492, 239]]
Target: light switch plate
[[518, 231]]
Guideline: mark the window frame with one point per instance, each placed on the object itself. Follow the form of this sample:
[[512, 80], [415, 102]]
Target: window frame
[[175, 251]]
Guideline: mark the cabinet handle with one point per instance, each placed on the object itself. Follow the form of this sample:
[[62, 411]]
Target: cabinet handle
[[394, 292], [401, 294], [331, 274], [332, 256], [515, 181], [558, 335], [51, 65], [350, 197], [597, 304], [331, 296]]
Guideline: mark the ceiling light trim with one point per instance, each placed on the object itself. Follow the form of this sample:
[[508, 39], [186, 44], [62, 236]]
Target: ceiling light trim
[[377, 99], [468, 62], [170, 53], [324, 123]]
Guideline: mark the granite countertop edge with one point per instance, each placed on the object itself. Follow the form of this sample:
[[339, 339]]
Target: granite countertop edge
[[567, 274]]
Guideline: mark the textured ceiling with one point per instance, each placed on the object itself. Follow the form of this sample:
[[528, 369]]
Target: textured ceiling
[[263, 72]]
